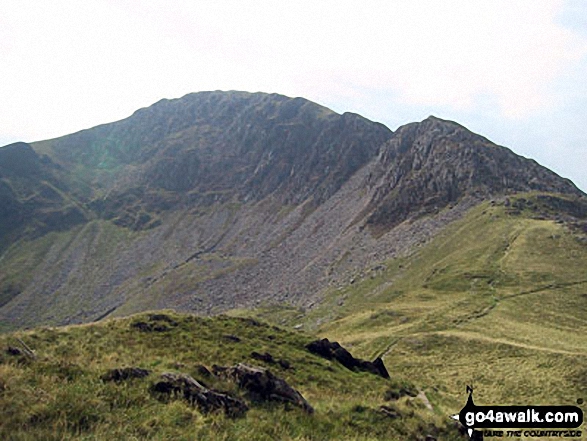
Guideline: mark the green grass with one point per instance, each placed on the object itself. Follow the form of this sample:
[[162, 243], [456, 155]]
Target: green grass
[[498, 300], [59, 395]]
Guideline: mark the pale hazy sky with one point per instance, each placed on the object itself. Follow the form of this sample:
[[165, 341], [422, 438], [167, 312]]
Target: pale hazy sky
[[514, 71]]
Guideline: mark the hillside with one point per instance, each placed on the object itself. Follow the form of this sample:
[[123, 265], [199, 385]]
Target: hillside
[[453, 259], [65, 391], [223, 200], [497, 299]]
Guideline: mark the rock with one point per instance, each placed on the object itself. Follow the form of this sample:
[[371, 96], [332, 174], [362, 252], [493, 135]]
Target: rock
[[408, 391], [391, 395], [162, 318], [141, 326], [206, 400], [381, 369], [252, 322], [122, 374], [284, 363], [333, 350], [232, 338], [266, 357], [389, 412], [150, 327], [323, 347], [203, 371], [262, 385], [345, 358], [156, 323], [11, 350], [430, 438]]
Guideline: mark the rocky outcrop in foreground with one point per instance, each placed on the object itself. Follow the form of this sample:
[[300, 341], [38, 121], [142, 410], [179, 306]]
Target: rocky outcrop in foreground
[[206, 400], [262, 385], [258, 383], [334, 351]]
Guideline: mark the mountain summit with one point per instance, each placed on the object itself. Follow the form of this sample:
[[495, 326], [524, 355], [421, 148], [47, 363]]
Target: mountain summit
[[222, 200], [427, 165]]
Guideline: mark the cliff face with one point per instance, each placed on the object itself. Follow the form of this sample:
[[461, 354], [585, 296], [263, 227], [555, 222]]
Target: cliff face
[[426, 166], [215, 147], [225, 199], [250, 145]]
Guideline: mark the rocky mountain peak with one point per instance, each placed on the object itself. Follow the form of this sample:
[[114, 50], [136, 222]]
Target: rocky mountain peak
[[238, 197], [427, 165]]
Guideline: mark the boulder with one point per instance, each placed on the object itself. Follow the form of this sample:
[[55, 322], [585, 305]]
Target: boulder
[[206, 400], [122, 374], [262, 385], [345, 358], [266, 357], [375, 367], [380, 367], [11, 350], [324, 348], [334, 351]]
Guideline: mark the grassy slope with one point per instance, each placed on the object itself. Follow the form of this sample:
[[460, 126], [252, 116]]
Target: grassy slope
[[59, 395], [498, 300], [77, 262]]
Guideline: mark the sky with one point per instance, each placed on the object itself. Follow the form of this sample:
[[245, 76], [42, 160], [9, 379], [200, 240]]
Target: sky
[[512, 71]]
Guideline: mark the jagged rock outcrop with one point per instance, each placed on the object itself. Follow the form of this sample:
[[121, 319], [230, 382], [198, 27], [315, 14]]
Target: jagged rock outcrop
[[426, 166], [262, 385], [217, 146], [334, 351], [206, 400]]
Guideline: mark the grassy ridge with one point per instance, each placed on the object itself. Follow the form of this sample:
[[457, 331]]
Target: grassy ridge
[[498, 300], [59, 395]]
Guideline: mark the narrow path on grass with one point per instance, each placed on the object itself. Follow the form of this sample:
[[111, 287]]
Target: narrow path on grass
[[472, 336]]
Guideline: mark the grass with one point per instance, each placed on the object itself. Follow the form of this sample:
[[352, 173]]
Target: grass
[[59, 395], [497, 300]]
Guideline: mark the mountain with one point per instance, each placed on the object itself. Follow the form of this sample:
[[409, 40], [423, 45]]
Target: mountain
[[453, 260], [217, 147], [434, 163], [223, 200]]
